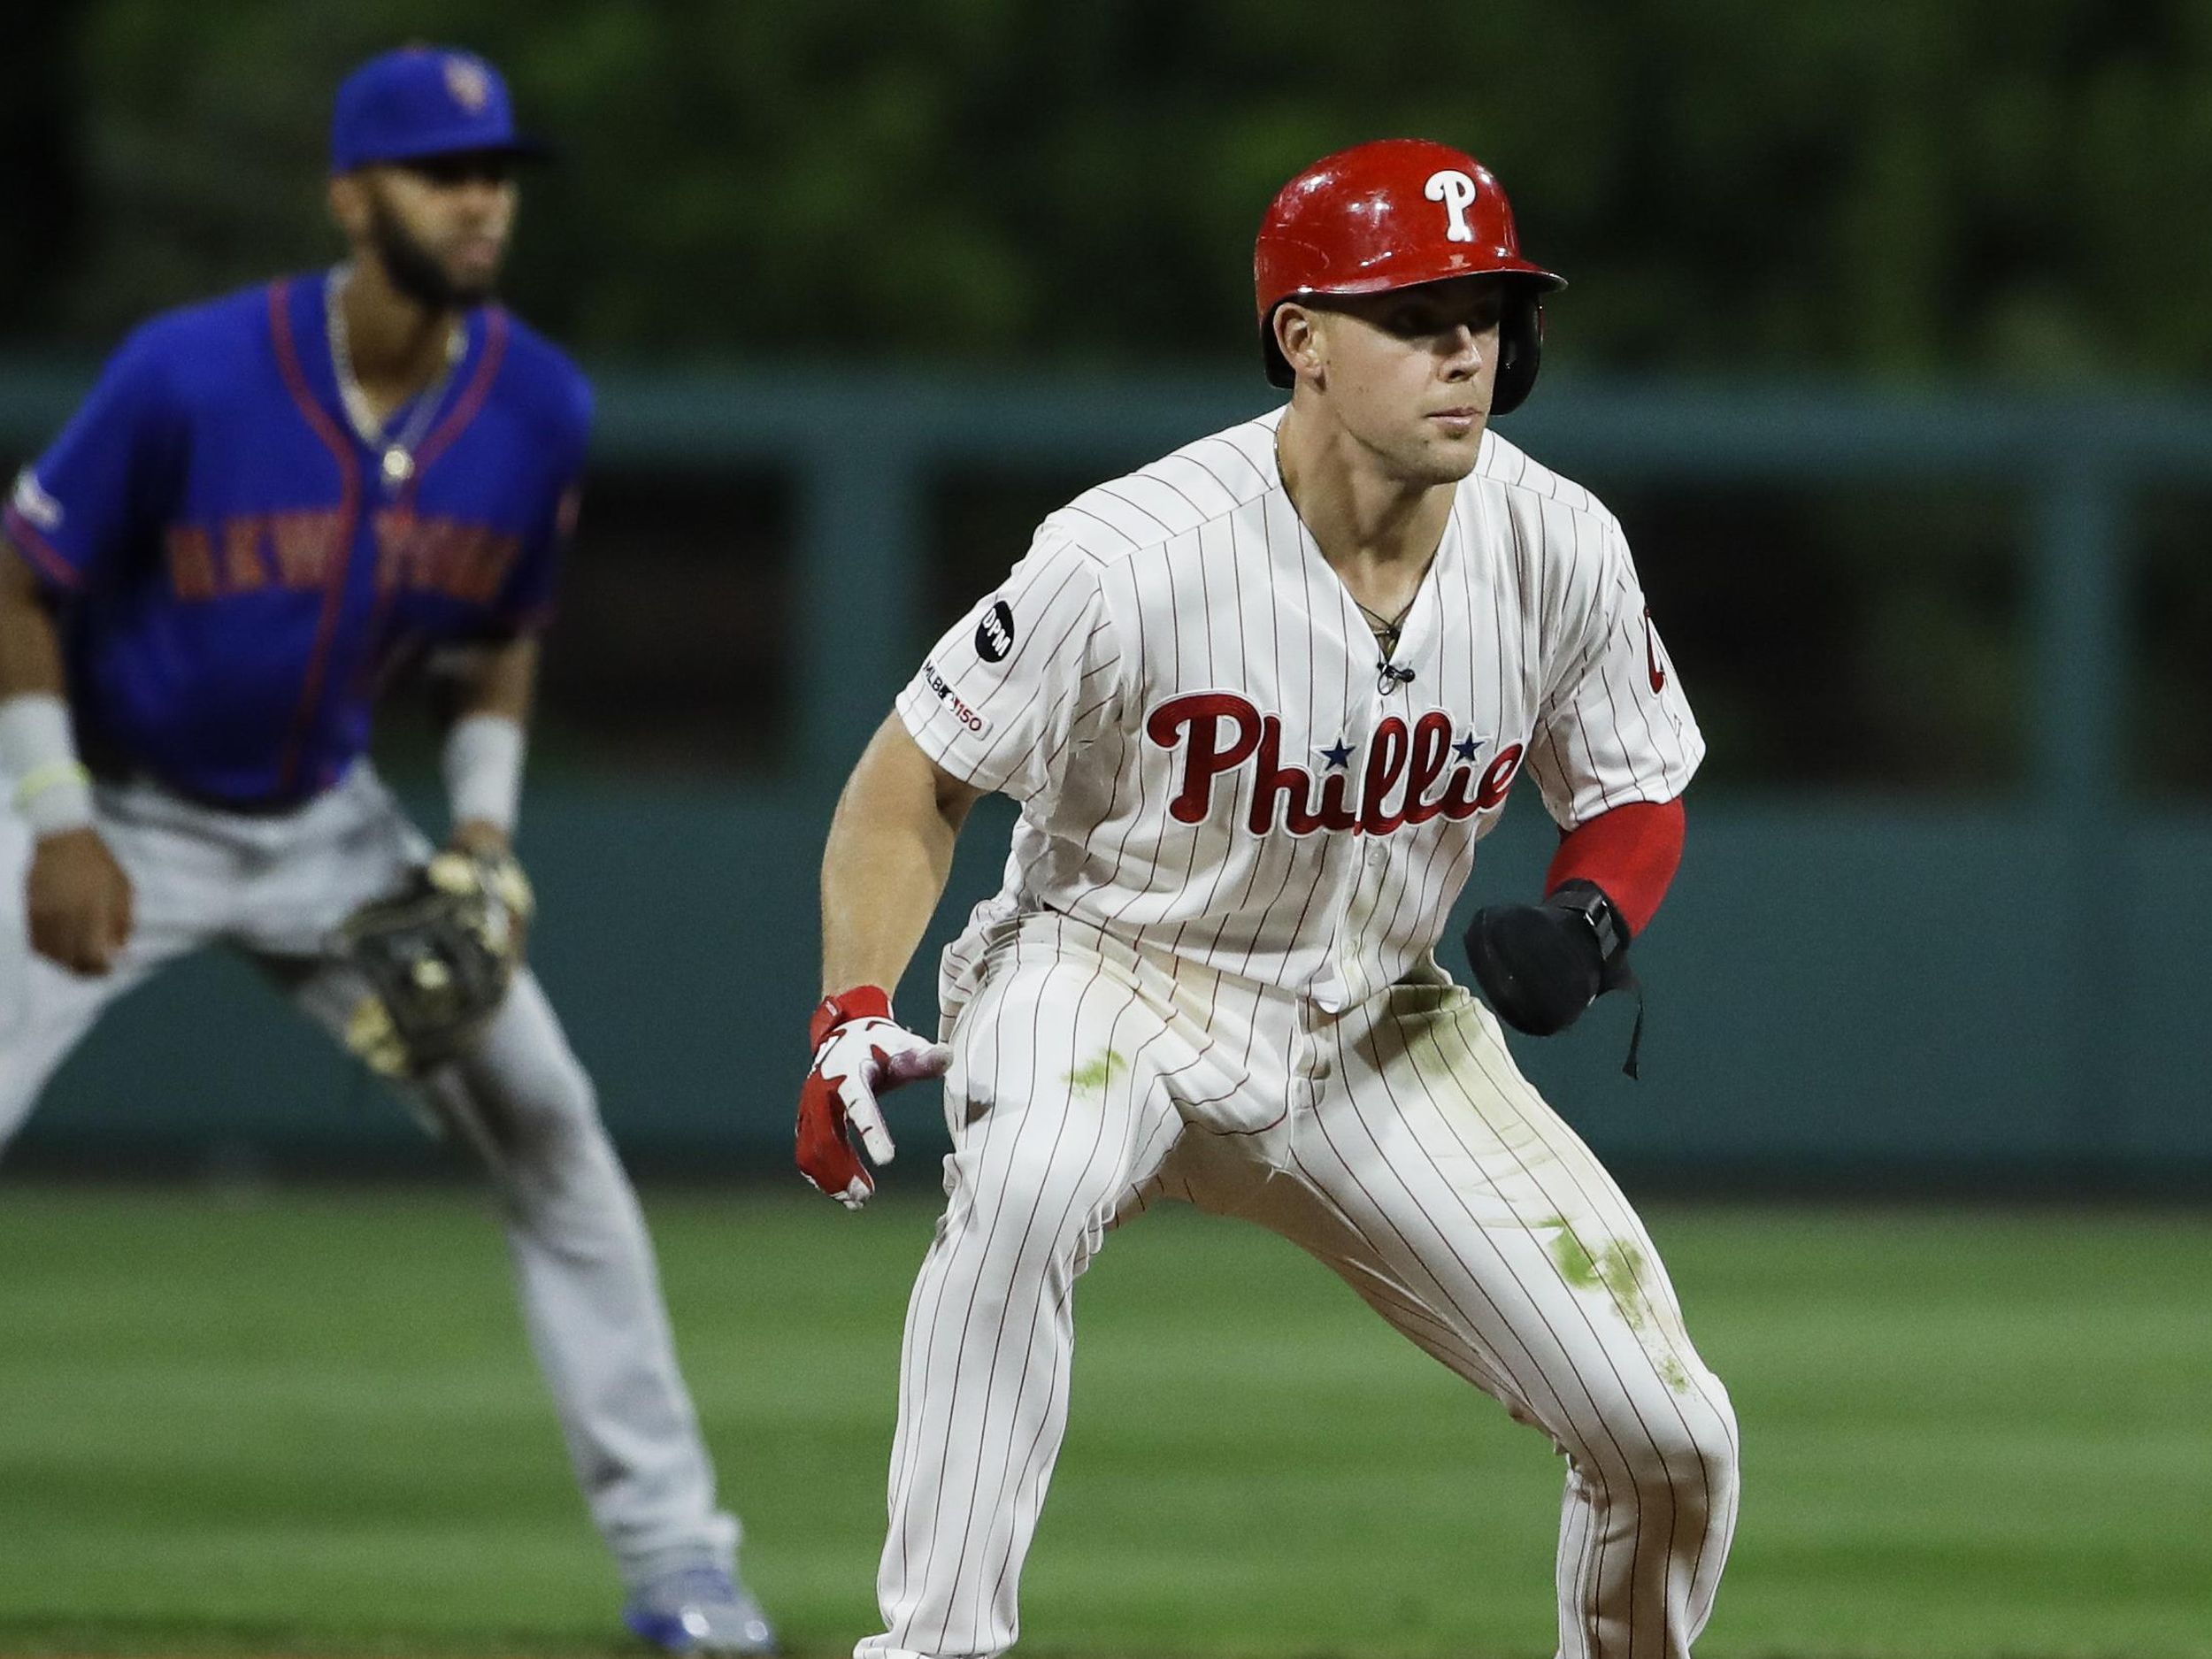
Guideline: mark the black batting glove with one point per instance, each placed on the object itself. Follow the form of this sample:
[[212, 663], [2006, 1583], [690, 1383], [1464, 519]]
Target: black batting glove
[[1540, 966]]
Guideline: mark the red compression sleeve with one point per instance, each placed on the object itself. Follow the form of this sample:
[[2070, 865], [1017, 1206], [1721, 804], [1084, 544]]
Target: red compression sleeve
[[1630, 852]]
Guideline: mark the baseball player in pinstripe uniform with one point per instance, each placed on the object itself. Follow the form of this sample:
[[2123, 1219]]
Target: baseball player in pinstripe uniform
[[1258, 701], [270, 503]]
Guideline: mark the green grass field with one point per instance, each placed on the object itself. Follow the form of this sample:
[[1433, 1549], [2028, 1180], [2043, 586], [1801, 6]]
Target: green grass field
[[307, 1425]]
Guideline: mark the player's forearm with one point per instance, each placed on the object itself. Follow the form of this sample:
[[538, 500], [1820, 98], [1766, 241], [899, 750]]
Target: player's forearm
[[30, 647], [889, 852], [41, 777], [500, 681], [1630, 854], [484, 747]]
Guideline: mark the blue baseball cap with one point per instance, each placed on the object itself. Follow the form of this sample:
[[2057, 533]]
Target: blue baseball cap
[[422, 101]]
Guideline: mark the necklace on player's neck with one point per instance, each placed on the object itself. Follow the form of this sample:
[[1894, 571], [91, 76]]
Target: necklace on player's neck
[[1388, 630], [398, 463]]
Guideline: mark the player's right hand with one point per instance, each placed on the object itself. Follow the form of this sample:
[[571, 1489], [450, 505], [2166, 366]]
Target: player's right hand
[[1541, 966], [859, 1052], [78, 902]]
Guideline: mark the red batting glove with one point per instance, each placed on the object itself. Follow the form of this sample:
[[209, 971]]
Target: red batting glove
[[859, 1052]]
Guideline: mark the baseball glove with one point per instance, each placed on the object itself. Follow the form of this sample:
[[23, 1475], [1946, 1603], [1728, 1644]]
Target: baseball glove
[[436, 959]]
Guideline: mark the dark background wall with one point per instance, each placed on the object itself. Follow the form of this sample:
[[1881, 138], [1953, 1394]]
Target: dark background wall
[[1840, 1000]]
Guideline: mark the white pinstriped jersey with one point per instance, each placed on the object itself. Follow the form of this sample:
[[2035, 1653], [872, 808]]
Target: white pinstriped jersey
[[1191, 710]]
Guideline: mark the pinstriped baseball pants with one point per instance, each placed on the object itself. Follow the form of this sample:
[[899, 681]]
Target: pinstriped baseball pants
[[1398, 1143]]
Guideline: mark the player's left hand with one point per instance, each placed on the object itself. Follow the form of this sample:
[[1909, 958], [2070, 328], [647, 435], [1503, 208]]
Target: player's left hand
[[860, 1051], [1540, 966], [435, 958], [492, 851]]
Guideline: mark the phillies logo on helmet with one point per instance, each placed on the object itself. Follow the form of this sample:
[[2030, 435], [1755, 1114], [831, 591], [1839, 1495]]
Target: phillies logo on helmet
[[1222, 734], [1456, 192]]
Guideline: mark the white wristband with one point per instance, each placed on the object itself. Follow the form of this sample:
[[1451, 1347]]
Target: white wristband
[[47, 783], [483, 770]]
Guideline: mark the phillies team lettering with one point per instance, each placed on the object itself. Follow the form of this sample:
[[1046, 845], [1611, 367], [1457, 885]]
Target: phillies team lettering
[[1221, 732]]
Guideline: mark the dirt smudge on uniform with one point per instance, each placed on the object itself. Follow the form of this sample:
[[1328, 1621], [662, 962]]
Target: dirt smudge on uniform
[[1090, 1080], [1617, 1268]]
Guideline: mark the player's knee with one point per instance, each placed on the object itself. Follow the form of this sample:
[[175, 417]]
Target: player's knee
[[1059, 1191], [1051, 1204], [1683, 1458], [560, 1092], [537, 1104]]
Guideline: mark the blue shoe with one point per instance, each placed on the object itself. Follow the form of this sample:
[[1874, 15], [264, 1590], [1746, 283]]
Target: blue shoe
[[700, 1610]]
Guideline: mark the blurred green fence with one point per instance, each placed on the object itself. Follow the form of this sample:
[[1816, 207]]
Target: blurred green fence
[[1983, 993]]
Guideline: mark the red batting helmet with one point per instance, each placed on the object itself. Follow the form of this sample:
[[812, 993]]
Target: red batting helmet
[[1388, 215]]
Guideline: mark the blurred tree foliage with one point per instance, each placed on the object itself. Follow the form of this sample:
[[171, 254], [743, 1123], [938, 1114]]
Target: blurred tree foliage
[[1892, 188]]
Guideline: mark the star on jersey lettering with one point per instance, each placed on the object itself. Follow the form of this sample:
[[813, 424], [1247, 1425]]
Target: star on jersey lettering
[[1339, 758], [1465, 749]]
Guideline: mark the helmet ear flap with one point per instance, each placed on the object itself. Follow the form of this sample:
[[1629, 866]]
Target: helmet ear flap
[[1520, 351]]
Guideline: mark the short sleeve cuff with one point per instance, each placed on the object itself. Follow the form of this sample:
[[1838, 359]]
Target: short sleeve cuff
[[42, 556], [1665, 783], [952, 733]]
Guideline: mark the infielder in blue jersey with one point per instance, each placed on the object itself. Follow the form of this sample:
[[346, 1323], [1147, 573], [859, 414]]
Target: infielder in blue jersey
[[269, 504]]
